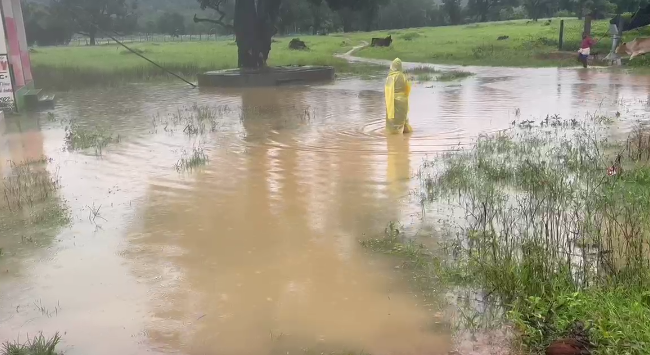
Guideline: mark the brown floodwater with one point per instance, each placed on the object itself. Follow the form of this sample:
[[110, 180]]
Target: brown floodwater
[[257, 252]]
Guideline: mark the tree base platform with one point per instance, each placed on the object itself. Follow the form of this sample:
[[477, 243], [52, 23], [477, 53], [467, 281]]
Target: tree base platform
[[270, 76]]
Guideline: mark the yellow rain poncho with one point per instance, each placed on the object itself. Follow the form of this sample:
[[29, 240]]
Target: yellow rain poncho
[[397, 92]]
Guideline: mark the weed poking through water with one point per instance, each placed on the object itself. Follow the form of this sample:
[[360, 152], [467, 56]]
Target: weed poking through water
[[194, 120], [453, 75], [422, 73], [28, 184], [46, 312], [29, 199], [79, 138], [190, 162]]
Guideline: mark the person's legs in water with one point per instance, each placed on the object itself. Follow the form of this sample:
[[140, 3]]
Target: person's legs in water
[[583, 59], [407, 127]]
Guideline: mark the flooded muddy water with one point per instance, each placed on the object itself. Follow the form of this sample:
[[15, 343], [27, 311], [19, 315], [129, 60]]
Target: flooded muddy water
[[257, 251]]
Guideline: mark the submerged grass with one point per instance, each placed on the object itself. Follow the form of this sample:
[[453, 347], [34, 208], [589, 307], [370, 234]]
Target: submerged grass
[[422, 263], [421, 73], [30, 200], [192, 161], [39, 345], [552, 222], [81, 138], [192, 119], [453, 75]]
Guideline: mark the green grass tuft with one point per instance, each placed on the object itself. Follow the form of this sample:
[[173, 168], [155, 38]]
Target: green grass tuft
[[80, 138], [190, 162], [39, 345]]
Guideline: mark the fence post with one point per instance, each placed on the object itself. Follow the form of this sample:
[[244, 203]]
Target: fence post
[[587, 26], [561, 39]]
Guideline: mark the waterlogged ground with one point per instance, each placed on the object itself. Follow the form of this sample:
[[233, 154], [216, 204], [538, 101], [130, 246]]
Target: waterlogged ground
[[257, 251]]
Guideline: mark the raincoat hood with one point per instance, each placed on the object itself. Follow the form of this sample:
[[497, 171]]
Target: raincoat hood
[[396, 66]]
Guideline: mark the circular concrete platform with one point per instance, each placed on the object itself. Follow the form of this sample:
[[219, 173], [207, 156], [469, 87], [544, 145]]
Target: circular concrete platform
[[271, 76]]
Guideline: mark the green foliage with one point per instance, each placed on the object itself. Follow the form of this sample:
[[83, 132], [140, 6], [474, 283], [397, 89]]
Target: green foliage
[[616, 318], [548, 232], [171, 23], [598, 9], [89, 17], [537, 9], [453, 11], [44, 26]]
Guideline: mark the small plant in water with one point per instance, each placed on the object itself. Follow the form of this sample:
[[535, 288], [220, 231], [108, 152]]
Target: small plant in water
[[39, 345], [28, 196], [78, 138], [453, 75], [194, 160], [29, 183], [194, 120]]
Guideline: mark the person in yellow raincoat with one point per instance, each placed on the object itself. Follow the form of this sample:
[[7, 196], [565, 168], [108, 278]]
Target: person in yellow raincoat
[[397, 92]]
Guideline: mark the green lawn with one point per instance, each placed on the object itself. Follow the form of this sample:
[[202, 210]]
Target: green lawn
[[68, 67], [532, 44]]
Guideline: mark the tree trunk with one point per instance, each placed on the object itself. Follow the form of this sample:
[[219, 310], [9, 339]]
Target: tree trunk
[[254, 28], [370, 18], [316, 21], [92, 34], [587, 26], [346, 17]]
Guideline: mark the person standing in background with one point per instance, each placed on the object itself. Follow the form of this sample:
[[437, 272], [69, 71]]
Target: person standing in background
[[585, 49], [396, 91]]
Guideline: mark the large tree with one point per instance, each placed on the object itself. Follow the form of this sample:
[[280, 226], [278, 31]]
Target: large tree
[[253, 24], [45, 27], [453, 11], [89, 17]]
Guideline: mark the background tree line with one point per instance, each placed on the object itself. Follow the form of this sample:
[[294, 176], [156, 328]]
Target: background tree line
[[55, 22]]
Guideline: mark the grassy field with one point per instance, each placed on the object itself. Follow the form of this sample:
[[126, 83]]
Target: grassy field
[[69, 67], [532, 44]]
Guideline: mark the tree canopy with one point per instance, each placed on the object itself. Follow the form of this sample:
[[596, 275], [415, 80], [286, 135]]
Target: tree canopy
[[45, 27], [171, 23], [88, 17]]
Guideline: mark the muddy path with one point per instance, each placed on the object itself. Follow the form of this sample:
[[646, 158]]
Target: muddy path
[[255, 250]]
